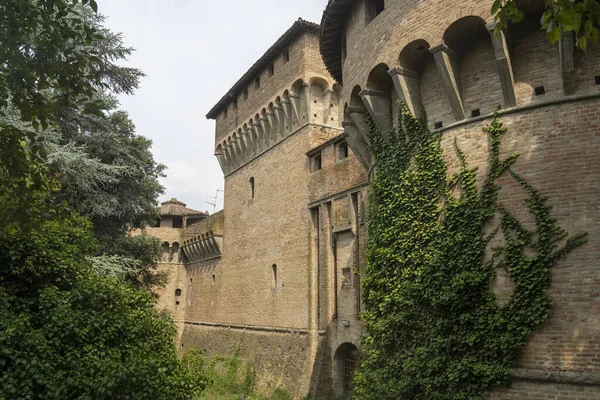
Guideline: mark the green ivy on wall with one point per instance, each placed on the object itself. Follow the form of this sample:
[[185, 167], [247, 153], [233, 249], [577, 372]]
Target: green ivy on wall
[[435, 330]]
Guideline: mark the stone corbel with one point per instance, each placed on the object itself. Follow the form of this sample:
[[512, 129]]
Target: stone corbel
[[259, 133], [355, 140], [378, 105], [273, 125], [307, 101], [566, 49], [220, 159], [327, 106], [266, 129], [408, 87], [280, 116], [447, 62], [296, 104], [503, 62], [287, 112], [358, 115]]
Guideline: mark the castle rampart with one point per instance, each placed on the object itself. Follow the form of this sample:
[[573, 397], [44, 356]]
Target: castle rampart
[[443, 56]]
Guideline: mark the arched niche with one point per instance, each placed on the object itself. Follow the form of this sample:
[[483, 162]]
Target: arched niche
[[175, 252], [379, 97], [319, 95], [474, 66], [165, 247]]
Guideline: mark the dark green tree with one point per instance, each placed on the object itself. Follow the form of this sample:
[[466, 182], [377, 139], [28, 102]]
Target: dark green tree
[[435, 331], [66, 332]]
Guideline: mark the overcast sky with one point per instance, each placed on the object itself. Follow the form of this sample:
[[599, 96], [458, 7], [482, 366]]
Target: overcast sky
[[192, 52]]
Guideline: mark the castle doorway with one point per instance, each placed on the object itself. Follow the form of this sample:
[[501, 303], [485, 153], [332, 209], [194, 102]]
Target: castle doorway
[[345, 362]]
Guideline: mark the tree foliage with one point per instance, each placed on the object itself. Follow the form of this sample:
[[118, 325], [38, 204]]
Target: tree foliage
[[435, 329], [582, 17], [67, 332]]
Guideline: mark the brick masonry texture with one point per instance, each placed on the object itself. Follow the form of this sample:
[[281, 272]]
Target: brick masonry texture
[[556, 137], [285, 287]]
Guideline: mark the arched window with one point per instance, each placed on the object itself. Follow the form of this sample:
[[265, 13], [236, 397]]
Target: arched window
[[178, 292], [251, 188]]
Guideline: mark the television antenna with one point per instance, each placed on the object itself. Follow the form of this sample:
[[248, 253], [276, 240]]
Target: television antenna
[[214, 200]]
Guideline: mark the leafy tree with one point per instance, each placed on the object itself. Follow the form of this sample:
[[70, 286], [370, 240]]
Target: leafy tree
[[67, 332], [582, 17], [435, 329]]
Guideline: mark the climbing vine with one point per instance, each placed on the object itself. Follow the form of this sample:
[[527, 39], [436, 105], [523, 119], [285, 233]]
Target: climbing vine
[[435, 330]]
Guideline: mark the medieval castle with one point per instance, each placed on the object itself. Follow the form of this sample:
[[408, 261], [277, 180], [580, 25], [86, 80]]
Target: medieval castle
[[278, 271]]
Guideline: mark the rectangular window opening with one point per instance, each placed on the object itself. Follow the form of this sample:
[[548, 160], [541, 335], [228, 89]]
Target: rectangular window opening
[[475, 113], [315, 162], [438, 125], [257, 82], [540, 91], [342, 151], [286, 55], [271, 70], [245, 94], [373, 8], [597, 79]]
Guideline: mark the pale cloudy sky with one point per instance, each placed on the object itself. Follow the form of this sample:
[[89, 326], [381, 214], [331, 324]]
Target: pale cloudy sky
[[192, 52]]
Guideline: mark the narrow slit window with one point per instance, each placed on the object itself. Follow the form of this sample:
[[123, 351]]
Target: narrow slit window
[[245, 94], [438, 125], [274, 275], [271, 70], [540, 90], [475, 113], [251, 188], [214, 279], [286, 55], [257, 83]]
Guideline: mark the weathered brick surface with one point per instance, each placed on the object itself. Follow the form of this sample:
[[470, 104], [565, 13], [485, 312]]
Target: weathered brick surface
[[558, 144]]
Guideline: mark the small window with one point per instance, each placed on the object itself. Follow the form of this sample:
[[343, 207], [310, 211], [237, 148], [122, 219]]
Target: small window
[[315, 162], [251, 188], [271, 70], [177, 303], [214, 279], [257, 82], [373, 8], [342, 150], [286, 55], [438, 125], [178, 223], [274, 275], [598, 80], [475, 113], [540, 91], [235, 104], [225, 113], [245, 94], [178, 292]]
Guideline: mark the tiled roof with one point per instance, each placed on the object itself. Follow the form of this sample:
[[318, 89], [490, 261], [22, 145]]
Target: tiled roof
[[176, 208], [332, 28], [334, 139], [298, 28]]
